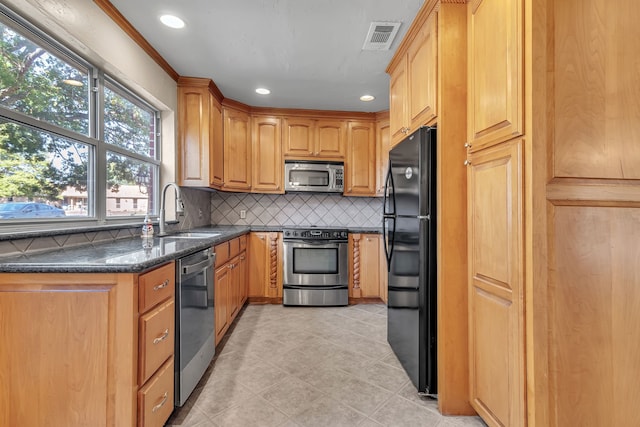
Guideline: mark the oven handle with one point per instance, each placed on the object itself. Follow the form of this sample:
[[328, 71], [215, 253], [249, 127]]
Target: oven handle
[[316, 242], [315, 287], [203, 265]]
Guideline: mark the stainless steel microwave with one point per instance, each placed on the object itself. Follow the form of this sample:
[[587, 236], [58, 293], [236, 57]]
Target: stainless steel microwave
[[318, 177]]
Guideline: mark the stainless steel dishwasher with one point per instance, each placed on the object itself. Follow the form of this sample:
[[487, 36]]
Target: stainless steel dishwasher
[[195, 329]]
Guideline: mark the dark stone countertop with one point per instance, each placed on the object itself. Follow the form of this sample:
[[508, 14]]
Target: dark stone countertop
[[119, 256], [128, 255]]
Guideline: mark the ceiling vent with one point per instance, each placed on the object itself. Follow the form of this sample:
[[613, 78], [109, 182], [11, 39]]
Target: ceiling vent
[[381, 35]]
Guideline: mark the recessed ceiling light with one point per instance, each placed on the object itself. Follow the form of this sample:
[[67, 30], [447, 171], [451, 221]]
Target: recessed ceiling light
[[367, 98], [172, 21], [263, 91]]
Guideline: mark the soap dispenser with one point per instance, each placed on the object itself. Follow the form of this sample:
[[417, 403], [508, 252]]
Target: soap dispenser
[[147, 227]]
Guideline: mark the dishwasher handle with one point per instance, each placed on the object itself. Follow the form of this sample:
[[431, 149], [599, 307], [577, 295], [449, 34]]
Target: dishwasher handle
[[188, 269]]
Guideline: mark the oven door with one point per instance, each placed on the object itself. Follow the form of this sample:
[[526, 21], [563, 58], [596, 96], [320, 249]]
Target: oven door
[[315, 264]]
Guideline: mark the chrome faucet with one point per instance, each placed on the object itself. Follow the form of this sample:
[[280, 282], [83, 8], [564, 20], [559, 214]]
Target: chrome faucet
[[179, 206]]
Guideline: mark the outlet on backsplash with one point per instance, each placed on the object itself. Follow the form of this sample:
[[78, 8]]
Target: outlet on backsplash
[[243, 214]]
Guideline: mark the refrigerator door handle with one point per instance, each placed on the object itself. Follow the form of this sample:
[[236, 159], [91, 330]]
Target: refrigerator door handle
[[388, 242], [388, 195]]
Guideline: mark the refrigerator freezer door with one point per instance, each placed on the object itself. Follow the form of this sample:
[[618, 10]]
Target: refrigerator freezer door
[[412, 166]]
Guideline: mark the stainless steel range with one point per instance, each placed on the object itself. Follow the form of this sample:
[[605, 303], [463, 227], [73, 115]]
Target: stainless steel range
[[315, 267]]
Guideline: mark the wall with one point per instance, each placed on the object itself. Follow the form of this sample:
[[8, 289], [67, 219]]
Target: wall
[[296, 209]]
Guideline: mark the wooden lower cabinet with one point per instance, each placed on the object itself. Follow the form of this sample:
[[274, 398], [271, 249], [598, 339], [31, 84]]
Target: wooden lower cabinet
[[364, 265], [230, 283], [496, 293], [221, 301], [69, 348], [265, 267]]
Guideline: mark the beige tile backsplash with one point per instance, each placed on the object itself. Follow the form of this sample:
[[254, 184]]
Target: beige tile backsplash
[[296, 209]]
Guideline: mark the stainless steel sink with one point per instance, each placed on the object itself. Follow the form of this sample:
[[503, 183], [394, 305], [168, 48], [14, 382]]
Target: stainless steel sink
[[192, 235]]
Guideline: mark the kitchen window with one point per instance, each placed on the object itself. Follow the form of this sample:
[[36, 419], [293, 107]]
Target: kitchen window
[[71, 137]]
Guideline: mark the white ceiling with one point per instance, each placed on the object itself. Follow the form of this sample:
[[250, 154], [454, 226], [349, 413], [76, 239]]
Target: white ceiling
[[307, 52]]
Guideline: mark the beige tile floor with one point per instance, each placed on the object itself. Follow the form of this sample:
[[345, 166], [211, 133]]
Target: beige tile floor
[[309, 366]]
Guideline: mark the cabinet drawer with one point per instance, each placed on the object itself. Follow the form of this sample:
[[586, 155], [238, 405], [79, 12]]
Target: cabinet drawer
[[222, 253], [156, 286], [234, 247], [155, 399], [156, 339]]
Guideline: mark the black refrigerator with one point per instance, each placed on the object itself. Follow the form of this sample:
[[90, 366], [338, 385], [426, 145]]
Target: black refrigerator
[[410, 244]]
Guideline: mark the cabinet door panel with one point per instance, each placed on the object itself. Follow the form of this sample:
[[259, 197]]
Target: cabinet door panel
[[258, 267], [330, 139], [422, 63], [268, 169], [193, 147], [595, 100], [383, 145], [495, 72], [237, 150], [398, 93], [298, 138], [221, 301], [360, 177], [496, 306], [57, 366], [364, 268], [217, 144]]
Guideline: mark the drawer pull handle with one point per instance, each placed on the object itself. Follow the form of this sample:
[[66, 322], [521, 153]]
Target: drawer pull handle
[[161, 404], [162, 285], [162, 337]]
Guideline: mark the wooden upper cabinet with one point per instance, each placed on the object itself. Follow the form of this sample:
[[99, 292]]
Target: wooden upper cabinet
[[216, 160], [268, 164], [360, 165], [237, 150], [383, 145], [330, 139], [193, 136], [314, 139], [398, 102], [495, 97], [422, 73], [299, 137], [412, 90], [200, 146]]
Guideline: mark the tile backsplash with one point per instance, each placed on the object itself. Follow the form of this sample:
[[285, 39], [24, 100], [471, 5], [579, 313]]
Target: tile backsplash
[[295, 209]]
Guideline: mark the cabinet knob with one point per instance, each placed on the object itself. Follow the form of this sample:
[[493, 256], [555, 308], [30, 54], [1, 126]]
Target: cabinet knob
[[467, 162], [467, 145]]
